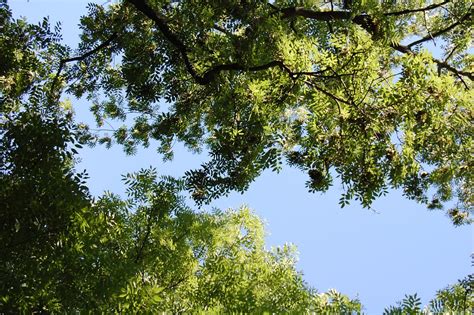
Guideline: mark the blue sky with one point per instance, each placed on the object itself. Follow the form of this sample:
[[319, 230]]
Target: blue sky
[[376, 255]]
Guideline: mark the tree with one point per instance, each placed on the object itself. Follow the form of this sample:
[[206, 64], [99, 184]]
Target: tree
[[39, 190], [64, 251], [338, 89], [152, 253]]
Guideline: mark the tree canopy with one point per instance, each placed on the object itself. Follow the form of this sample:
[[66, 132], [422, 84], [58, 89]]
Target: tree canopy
[[345, 89], [65, 251]]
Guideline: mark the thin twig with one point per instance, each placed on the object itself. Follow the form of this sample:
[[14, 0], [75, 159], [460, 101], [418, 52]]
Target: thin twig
[[328, 93], [409, 11]]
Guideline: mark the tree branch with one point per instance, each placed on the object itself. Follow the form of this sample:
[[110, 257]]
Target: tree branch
[[440, 32], [445, 65], [334, 97], [441, 64], [315, 15], [209, 74], [451, 53], [63, 62], [143, 243], [217, 27], [363, 20], [409, 11], [160, 22]]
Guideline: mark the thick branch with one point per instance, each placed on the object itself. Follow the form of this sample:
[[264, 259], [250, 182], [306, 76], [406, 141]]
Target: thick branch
[[210, 74], [315, 15], [409, 11], [217, 27], [160, 22], [147, 233], [363, 20]]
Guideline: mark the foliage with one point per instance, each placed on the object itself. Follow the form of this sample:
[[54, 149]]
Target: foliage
[[261, 83], [327, 86], [152, 253], [411, 304], [457, 298], [29, 55], [63, 251], [454, 299], [39, 190], [178, 260], [38, 194]]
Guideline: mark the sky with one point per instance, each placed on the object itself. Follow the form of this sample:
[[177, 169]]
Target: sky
[[377, 255]]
